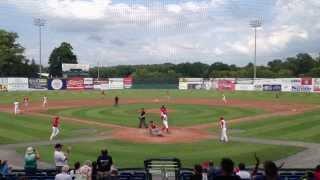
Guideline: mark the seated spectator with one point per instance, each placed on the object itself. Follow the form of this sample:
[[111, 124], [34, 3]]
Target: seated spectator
[[270, 172], [30, 160], [104, 163], [60, 158], [86, 171], [64, 174], [154, 130], [242, 173], [212, 171], [227, 167], [317, 173], [75, 173], [4, 168], [197, 172]]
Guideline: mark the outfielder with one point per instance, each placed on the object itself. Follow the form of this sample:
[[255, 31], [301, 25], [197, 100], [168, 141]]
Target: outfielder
[[16, 107], [223, 128], [44, 101], [164, 118], [55, 127]]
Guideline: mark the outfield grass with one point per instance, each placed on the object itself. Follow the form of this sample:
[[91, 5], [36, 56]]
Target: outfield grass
[[21, 128], [127, 154], [9, 97], [179, 115], [303, 127]]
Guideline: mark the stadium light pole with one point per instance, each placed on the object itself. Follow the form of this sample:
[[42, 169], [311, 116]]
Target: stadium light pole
[[40, 23], [255, 24]]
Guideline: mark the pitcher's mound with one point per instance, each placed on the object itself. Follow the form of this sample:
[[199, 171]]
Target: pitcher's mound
[[176, 135]]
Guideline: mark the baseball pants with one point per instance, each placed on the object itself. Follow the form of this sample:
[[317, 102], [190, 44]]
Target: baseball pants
[[55, 132]]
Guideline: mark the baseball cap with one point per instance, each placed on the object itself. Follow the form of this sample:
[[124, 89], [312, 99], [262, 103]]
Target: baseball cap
[[29, 150], [58, 145]]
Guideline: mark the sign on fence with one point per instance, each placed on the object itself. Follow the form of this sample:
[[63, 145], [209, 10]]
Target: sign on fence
[[302, 88], [36, 83], [271, 87], [88, 83], [75, 83], [57, 84]]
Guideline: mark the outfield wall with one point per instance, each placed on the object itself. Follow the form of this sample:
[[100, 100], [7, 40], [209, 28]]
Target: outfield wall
[[306, 85], [72, 83]]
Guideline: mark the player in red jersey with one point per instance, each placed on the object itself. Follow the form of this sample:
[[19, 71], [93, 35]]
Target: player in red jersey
[[55, 127]]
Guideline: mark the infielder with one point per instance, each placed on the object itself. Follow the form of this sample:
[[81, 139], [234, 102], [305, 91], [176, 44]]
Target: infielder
[[224, 99], [223, 128], [16, 107], [164, 118], [55, 127], [26, 102], [44, 101]]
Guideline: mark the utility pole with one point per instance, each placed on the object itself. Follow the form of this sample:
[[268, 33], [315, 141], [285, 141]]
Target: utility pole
[[40, 23], [255, 24]]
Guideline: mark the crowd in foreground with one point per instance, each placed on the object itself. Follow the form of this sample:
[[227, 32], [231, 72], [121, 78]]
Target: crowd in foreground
[[104, 169]]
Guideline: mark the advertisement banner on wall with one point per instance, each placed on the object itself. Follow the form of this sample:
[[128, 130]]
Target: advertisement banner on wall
[[183, 85], [128, 81], [226, 85], [244, 87], [195, 86], [36, 83], [306, 81], [302, 88], [244, 81], [316, 85], [88, 83], [18, 84], [271, 87], [57, 84], [101, 84], [75, 83], [116, 83]]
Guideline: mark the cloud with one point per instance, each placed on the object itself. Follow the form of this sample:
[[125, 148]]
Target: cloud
[[188, 30]]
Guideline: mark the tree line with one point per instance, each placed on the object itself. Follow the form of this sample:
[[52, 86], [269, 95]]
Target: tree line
[[14, 63]]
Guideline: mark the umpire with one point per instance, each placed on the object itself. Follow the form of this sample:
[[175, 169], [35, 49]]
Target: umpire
[[142, 119]]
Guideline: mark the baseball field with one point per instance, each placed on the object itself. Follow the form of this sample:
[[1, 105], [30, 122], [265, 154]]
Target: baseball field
[[283, 128]]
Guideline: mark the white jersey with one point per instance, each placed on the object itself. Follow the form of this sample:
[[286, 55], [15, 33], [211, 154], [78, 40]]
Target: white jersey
[[223, 124], [16, 104], [45, 99]]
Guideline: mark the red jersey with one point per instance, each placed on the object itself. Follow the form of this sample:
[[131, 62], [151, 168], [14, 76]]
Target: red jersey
[[163, 110], [153, 126], [55, 122]]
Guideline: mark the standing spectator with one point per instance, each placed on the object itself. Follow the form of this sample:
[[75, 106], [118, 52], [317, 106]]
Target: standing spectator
[[212, 171], [104, 163], [60, 158], [75, 173], [227, 167], [270, 172], [242, 173], [86, 171], [64, 174], [197, 172], [30, 160]]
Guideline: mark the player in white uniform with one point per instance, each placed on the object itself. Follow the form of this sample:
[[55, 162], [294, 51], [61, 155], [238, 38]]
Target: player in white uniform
[[224, 99], [45, 101], [16, 107], [164, 118], [223, 128]]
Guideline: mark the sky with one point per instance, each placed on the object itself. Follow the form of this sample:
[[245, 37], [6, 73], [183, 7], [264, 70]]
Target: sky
[[118, 32]]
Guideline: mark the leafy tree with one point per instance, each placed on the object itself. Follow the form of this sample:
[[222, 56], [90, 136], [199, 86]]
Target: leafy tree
[[59, 55], [12, 60]]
